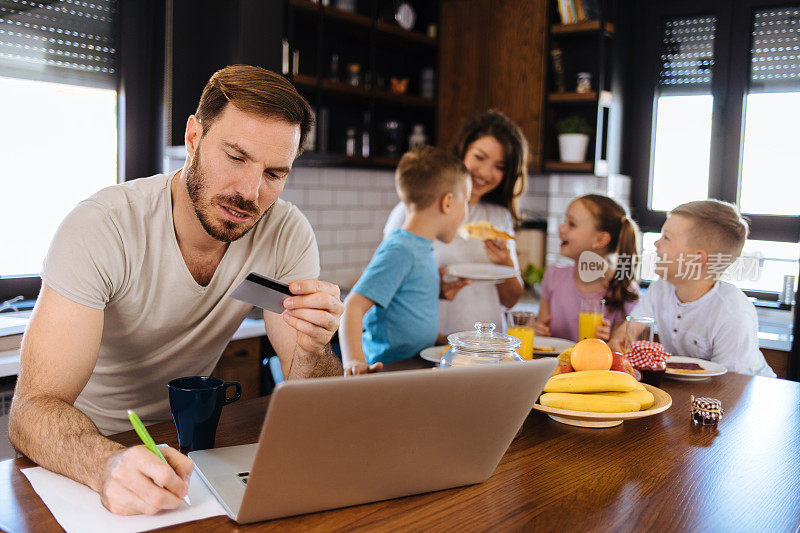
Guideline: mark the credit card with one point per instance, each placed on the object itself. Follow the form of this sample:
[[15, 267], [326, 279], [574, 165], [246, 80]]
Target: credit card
[[263, 292]]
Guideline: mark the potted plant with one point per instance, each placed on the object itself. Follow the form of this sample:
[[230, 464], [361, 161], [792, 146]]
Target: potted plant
[[573, 138]]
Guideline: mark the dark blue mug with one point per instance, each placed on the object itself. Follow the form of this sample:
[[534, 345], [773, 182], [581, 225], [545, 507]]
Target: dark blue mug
[[196, 403]]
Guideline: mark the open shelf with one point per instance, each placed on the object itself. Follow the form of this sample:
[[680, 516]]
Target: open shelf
[[573, 97], [364, 21], [560, 166], [339, 88], [304, 80], [344, 89], [589, 26], [304, 4], [383, 50], [413, 36], [410, 100], [346, 16]]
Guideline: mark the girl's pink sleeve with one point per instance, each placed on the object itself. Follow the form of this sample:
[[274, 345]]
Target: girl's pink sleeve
[[547, 283]]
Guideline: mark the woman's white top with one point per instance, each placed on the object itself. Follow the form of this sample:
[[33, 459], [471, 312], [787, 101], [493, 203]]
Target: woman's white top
[[478, 301]]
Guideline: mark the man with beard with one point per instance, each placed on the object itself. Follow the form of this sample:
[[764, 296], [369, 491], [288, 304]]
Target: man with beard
[[135, 292]]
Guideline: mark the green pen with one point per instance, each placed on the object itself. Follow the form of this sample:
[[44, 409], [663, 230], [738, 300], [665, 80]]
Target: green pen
[[148, 441]]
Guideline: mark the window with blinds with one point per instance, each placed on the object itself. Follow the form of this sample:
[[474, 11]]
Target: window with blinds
[[687, 54], [682, 141], [66, 41], [770, 158], [58, 140], [775, 51]]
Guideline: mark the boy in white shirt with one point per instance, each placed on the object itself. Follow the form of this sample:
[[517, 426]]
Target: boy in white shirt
[[696, 314]]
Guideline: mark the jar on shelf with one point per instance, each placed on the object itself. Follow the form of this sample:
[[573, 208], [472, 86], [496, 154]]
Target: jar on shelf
[[350, 143], [417, 137], [481, 346], [584, 82], [354, 74]]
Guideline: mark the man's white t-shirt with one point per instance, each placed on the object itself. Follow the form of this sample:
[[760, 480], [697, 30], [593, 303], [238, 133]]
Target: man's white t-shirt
[[117, 251], [720, 326], [479, 301]]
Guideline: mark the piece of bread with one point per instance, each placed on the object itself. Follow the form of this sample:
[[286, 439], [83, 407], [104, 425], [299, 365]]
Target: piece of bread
[[685, 368], [482, 231], [543, 348]]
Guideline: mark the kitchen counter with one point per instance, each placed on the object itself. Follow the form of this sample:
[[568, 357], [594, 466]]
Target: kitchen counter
[[774, 331], [250, 327], [774, 325]]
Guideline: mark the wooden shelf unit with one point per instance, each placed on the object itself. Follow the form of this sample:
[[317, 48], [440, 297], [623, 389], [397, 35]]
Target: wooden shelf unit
[[414, 36], [589, 26], [572, 97], [364, 21], [585, 47], [332, 87], [355, 19], [383, 51], [560, 166]]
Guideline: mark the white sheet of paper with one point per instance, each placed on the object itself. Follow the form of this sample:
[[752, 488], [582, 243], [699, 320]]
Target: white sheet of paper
[[76, 507]]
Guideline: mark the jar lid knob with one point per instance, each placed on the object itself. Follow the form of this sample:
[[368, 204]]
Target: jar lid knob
[[485, 328]]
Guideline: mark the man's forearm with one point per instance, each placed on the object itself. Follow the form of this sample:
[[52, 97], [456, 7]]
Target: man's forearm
[[317, 365], [59, 437]]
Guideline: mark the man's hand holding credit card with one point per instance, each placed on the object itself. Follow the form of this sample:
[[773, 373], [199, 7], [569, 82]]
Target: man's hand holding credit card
[[310, 306], [263, 292]]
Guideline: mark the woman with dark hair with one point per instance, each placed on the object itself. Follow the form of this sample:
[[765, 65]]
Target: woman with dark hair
[[495, 152]]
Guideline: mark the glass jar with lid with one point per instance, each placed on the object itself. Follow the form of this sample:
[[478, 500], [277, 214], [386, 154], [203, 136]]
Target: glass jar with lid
[[480, 346]]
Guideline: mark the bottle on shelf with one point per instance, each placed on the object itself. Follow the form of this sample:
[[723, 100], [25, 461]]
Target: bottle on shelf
[[427, 82], [417, 137], [350, 144], [333, 68], [365, 137], [354, 74], [346, 5]]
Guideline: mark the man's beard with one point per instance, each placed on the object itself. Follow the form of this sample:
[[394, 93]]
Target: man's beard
[[222, 230]]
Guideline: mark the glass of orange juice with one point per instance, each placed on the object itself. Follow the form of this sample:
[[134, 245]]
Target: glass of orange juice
[[520, 325], [590, 317]]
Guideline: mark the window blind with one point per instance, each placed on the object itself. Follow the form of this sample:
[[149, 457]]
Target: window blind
[[64, 41], [775, 51], [687, 55]]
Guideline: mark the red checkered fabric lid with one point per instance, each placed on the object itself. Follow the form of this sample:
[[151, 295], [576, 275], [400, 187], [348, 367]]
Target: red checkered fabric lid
[[646, 354]]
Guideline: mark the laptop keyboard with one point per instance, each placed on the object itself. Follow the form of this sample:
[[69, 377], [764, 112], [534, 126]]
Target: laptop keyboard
[[244, 476]]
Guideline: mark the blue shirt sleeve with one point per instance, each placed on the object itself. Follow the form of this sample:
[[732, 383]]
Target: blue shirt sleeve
[[384, 274]]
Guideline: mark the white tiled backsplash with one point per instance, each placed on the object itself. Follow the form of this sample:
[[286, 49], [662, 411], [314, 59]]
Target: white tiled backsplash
[[348, 207], [549, 195]]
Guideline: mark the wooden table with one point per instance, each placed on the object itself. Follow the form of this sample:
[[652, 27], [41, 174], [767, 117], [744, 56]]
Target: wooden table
[[657, 473]]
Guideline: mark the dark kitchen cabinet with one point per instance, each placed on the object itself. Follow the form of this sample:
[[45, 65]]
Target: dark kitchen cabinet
[[341, 60], [206, 35]]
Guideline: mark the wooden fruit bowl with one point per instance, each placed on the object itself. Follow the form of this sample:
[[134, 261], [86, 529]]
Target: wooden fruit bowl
[[588, 419]]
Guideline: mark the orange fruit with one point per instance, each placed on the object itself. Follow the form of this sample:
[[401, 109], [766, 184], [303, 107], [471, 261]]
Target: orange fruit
[[591, 354]]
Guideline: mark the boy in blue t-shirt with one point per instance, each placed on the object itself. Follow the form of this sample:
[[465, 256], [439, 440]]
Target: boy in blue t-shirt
[[396, 300]]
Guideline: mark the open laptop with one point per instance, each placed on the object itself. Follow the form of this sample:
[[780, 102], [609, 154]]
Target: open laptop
[[335, 442]]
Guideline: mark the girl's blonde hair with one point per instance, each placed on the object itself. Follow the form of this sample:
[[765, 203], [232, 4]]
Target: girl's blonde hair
[[614, 220]]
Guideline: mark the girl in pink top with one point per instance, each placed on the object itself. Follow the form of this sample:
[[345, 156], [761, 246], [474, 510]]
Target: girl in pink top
[[596, 229]]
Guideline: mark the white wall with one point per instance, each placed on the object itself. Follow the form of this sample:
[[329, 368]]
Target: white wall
[[548, 196], [347, 209]]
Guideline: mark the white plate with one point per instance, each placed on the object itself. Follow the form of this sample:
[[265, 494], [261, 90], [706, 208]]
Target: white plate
[[434, 353], [712, 369], [559, 345], [481, 271], [588, 419]]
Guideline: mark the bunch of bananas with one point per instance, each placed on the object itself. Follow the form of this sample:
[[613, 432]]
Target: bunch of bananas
[[598, 391]]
